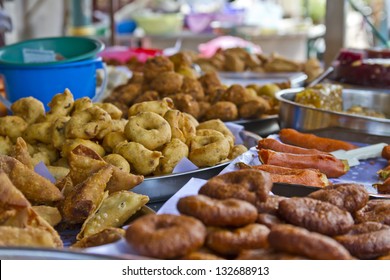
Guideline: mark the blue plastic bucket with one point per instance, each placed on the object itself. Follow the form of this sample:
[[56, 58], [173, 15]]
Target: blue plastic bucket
[[43, 82]]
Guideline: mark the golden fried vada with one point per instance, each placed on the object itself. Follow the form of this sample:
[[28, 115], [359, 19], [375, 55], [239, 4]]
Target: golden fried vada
[[166, 236], [223, 110], [172, 153], [149, 129], [208, 150], [159, 107]]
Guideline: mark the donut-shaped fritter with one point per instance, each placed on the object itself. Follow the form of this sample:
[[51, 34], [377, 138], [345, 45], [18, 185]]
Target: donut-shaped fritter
[[376, 210], [367, 240], [214, 212], [271, 205], [315, 215], [149, 129], [165, 236], [350, 197], [247, 184], [299, 241], [231, 242], [208, 150]]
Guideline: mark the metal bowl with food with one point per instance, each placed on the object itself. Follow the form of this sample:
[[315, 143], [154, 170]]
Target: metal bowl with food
[[308, 118], [161, 188]]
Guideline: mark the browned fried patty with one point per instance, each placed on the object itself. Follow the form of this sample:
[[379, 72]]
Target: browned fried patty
[[376, 210], [299, 241], [350, 197], [315, 215], [367, 240]]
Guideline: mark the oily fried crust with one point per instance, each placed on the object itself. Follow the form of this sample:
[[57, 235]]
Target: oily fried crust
[[213, 212], [299, 241], [166, 236], [231, 242], [271, 205], [377, 210], [247, 184], [315, 215], [367, 240], [106, 236], [350, 197]]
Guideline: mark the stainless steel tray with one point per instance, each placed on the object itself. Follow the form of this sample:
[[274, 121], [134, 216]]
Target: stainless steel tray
[[25, 253], [305, 118], [296, 79], [263, 127], [161, 188]]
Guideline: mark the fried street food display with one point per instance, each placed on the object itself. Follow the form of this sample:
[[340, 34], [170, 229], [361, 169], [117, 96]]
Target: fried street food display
[[203, 97], [336, 222]]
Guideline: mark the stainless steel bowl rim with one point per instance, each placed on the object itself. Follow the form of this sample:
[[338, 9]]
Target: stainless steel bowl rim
[[280, 96]]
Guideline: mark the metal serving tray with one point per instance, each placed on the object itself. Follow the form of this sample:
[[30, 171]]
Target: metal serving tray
[[263, 126], [305, 118], [161, 188], [296, 79]]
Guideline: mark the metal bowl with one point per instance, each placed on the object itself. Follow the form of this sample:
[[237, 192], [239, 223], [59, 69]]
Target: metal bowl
[[305, 118], [161, 188]]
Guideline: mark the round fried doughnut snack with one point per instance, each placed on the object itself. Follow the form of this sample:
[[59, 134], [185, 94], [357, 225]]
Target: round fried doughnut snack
[[350, 197], [166, 236], [142, 160], [218, 125], [231, 242], [172, 153], [149, 129], [181, 126], [271, 205], [236, 151], [267, 254], [156, 106], [186, 103], [315, 215], [247, 184], [208, 150], [376, 210], [299, 241], [367, 240], [214, 212]]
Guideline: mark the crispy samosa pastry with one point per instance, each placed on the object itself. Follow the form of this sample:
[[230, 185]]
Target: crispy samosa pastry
[[83, 161], [25, 237], [106, 236], [35, 188], [50, 214], [116, 209], [85, 197], [20, 152]]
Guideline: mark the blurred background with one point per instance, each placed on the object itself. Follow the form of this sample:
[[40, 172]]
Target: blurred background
[[294, 28]]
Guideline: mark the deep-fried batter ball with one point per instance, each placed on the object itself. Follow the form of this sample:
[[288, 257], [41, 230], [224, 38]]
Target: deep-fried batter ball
[[209, 81], [315, 215], [167, 83], [223, 110], [215, 94], [233, 63], [203, 107], [192, 87], [186, 103], [148, 95], [156, 65]]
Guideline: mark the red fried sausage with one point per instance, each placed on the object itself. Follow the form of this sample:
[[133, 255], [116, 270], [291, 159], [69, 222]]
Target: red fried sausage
[[311, 141], [327, 164], [277, 146], [279, 174]]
